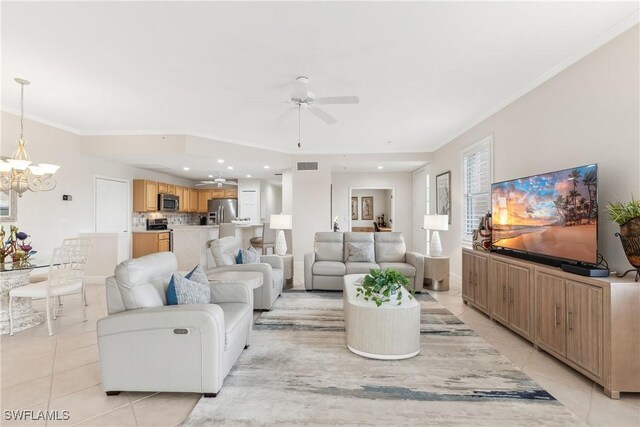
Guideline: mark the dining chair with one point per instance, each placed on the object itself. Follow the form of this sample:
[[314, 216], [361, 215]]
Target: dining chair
[[226, 229], [66, 277], [267, 240]]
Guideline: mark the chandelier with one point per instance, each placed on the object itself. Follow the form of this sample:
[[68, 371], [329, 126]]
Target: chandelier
[[17, 173]]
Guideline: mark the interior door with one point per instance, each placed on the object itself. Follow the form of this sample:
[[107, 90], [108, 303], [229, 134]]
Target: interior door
[[584, 326], [249, 205], [112, 212], [550, 310]]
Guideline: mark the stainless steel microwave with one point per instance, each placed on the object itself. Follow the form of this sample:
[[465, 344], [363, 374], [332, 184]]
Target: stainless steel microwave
[[168, 202]]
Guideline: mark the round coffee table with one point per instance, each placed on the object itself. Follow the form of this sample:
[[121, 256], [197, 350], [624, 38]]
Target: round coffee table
[[250, 278]]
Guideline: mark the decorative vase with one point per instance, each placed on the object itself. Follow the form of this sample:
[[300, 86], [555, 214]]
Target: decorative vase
[[630, 238]]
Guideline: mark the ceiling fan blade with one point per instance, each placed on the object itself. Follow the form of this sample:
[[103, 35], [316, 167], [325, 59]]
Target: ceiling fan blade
[[282, 116], [337, 100], [322, 115]]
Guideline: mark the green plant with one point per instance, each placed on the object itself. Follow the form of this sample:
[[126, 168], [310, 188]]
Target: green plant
[[622, 213], [380, 286]]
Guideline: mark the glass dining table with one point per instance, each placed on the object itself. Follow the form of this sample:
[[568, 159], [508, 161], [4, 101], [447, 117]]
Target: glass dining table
[[13, 275]]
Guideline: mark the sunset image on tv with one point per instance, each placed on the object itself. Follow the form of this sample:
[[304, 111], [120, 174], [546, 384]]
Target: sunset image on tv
[[553, 214]]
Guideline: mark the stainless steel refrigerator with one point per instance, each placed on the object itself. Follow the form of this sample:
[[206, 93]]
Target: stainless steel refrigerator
[[222, 210]]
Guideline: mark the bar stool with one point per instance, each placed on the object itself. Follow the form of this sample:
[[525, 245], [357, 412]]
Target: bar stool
[[268, 239]]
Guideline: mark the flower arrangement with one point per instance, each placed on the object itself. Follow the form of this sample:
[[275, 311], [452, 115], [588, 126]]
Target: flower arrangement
[[381, 286], [16, 246]]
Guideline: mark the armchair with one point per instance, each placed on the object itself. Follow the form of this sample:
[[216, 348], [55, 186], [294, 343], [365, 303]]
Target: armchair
[[271, 267], [146, 345]]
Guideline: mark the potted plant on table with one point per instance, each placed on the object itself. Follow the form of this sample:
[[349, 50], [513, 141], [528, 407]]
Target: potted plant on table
[[627, 216], [383, 286]]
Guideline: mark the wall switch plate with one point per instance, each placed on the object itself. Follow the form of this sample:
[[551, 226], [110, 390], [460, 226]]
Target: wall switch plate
[[67, 197]]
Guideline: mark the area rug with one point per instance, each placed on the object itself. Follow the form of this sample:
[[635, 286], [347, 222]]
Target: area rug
[[298, 371]]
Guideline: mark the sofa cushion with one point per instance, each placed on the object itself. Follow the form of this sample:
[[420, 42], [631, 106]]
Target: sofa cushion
[[407, 270], [329, 268], [361, 267], [233, 314], [390, 247], [328, 246], [224, 251], [143, 281]]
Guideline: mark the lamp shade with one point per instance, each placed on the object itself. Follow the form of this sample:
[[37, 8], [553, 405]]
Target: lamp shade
[[280, 222], [436, 222]]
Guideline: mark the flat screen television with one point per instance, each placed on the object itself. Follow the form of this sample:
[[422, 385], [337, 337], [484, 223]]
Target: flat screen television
[[552, 215]]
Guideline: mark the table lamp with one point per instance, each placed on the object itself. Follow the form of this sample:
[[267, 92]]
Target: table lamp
[[280, 222], [436, 223]]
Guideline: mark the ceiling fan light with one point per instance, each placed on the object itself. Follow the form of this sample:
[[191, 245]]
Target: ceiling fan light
[[49, 169]]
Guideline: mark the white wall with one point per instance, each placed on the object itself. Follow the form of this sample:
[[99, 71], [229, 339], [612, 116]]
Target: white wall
[[45, 216], [401, 182], [271, 200], [381, 205], [420, 209], [589, 113]]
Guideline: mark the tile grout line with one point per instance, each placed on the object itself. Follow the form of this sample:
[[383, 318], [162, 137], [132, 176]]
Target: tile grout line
[[53, 366]]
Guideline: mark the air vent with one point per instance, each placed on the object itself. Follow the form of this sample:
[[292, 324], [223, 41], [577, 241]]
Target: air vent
[[307, 166]]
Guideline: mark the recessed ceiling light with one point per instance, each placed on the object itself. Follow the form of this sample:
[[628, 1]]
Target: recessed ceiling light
[[248, 176], [210, 176], [266, 166], [230, 167], [185, 168], [220, 160], [380, 167]]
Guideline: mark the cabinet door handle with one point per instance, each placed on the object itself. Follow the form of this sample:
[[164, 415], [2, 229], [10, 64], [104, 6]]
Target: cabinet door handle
[[555, 314], [569, 320], [476, 279], [511, 295]]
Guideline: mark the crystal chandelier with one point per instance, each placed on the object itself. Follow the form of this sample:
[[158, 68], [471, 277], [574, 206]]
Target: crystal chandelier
[[16, 173]]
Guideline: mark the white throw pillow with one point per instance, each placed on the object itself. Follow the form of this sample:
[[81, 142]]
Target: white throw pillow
[[191, 292], [360, 252]]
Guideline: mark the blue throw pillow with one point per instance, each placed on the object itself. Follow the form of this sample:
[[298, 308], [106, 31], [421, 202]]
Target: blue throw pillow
[[172, 298], [239, 257], [197, 274]]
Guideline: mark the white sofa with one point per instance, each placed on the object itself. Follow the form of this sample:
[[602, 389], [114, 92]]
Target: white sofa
[[325, 267], [146, 345], [224, 253]]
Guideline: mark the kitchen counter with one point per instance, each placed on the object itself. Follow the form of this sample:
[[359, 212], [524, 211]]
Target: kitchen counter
[[191, 242], [149, 231]]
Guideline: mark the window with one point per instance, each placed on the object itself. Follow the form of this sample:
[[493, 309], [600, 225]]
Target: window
[[476, 185]]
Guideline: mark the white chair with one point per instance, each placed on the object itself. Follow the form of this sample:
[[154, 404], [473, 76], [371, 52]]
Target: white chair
[[66, 277]]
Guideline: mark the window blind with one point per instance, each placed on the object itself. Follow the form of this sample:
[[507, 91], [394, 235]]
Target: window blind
[[476, 172]]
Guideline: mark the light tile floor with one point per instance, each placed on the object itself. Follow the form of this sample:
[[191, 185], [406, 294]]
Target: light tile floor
[[38, 372]]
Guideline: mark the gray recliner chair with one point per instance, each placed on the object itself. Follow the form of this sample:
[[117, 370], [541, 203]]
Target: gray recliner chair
[[146, 345], [325, 267]]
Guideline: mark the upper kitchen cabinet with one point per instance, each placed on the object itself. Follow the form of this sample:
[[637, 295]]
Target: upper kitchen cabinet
[[231, 193], [217, 193], [166, 188], [203, 200], [145, 195]]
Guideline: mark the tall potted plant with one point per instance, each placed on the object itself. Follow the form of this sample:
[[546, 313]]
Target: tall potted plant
[[627, 216]]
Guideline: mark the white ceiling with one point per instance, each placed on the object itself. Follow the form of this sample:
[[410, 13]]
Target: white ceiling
[[424, 72]]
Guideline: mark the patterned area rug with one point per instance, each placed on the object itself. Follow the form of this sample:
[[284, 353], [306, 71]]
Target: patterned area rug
[[298, 371]]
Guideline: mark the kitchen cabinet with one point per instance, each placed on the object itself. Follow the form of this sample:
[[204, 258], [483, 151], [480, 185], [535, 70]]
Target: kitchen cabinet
[[180, 195], [145, 195], [217, 193], [150, 243], [231, 193], [203, 200], [162, 188], [193, 200], [474, 279]]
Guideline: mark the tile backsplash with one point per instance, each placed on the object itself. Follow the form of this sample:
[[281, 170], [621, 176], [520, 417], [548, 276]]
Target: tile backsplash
[[139, 219]]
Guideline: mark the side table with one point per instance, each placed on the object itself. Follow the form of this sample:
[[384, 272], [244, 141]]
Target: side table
[[436, 273]]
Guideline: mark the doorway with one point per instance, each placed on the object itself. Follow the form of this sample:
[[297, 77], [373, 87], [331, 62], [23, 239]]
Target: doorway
[[372, 209], [113, 215]]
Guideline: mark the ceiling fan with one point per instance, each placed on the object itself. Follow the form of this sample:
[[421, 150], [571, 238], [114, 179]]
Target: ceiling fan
[[219, 182], [302, 98]]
